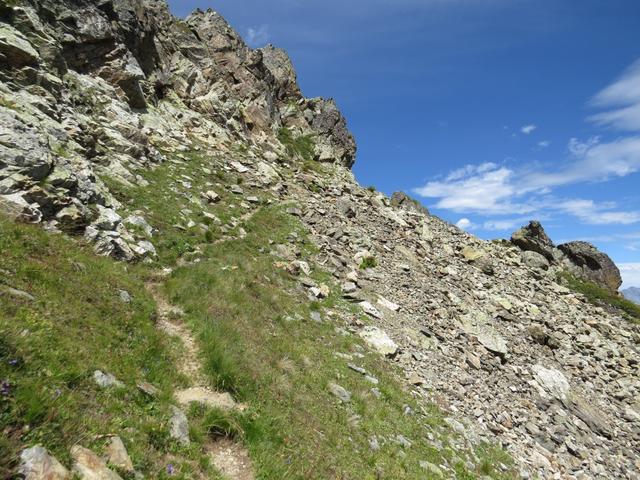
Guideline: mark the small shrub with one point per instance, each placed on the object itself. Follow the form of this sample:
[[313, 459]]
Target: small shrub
[[302, 146], [368, 262]]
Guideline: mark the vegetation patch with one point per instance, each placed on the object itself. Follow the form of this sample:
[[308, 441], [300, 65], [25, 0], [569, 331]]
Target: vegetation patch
[[602, 297], [302, 146], [63, 318]]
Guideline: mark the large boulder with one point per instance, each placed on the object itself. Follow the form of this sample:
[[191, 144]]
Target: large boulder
[[593, 264], [402, 200], [533, 238]]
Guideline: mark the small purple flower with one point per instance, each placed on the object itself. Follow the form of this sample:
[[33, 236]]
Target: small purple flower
[[170, 469], [5, 388], [13, 363]]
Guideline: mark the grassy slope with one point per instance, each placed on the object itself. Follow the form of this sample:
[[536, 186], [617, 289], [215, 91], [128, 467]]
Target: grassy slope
[[50, 347], [256, 337], [597, 295]]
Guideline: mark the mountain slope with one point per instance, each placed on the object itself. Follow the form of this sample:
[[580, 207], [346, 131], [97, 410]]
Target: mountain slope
[[633, 294], [362, 337]]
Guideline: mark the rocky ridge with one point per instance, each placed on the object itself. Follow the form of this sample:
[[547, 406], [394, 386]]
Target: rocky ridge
[[98, 92]]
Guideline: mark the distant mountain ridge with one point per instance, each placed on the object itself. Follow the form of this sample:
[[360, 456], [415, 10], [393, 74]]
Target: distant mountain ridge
[[633, 294]]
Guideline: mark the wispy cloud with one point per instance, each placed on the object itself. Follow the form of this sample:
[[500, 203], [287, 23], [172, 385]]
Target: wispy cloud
[[491, 189], [528, 129], [258, 36], [622, 98], [544, 144]]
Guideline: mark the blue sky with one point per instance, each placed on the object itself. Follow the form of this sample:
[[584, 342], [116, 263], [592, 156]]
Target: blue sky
[[492, 112]]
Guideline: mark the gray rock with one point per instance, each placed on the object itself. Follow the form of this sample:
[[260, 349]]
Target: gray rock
[[379, 341], [37, 464], [179, 426], [106, 380], [535, 260], [402, 200], [533, 238], [89, 466], [593, 264], [15, 47], [341, 393]]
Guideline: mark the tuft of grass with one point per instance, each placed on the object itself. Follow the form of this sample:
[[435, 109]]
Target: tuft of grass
[[368, 262], [600, 296], [302, 147]]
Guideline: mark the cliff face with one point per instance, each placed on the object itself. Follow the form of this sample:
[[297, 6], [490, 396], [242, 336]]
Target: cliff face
[[93, 87], [162, 140]]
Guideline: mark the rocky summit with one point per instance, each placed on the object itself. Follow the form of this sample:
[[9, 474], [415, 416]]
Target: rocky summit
[[171, 145]]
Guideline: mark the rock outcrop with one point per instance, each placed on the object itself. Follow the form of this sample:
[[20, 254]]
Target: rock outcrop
[[580, 258], [533, 238], [97, 89], [593, 264]]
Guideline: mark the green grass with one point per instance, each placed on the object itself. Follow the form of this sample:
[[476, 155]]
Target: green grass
[[168, 205], [302, 147], [50, 347], [600, 296], [368, 262], [259, 342]]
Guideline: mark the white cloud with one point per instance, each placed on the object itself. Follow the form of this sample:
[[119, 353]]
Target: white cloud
[[486, 189], [598, 214], [528, 129], [503, 225], [544, 143], [622, 98], [630, 274], [258, 36], [491, 189], [465, 224]]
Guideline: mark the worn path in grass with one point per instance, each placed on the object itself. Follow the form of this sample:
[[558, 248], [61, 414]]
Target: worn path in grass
[[229, 457]]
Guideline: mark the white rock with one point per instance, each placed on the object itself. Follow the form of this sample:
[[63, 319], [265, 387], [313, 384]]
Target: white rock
[[239, 167], [551, 382], [370, 310], [37, 464], [379, 341], [394, 307]]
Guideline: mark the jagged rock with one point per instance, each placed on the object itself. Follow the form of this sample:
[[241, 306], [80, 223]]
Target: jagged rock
[[37, 464], [593, 264], [117, 455], [552, 382], [89, 466], [402, 200], [15, 48], [533, 237], [535, 260]]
